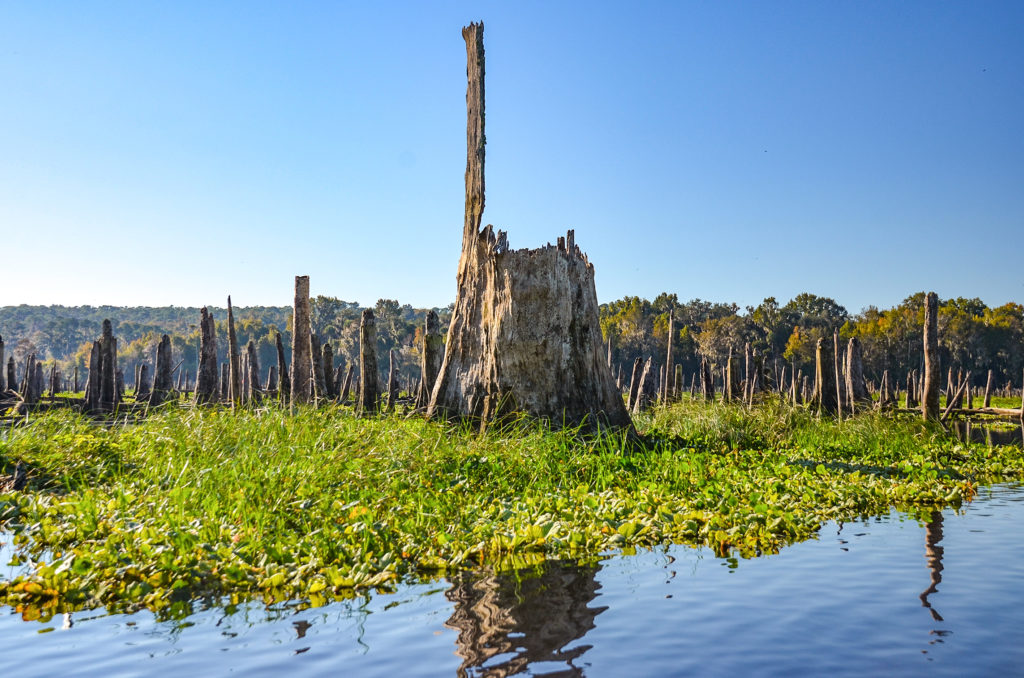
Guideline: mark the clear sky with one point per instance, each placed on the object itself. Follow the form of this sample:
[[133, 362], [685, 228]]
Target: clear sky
[[177, 152]]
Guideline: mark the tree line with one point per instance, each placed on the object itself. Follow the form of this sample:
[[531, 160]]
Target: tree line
[[972, 335]]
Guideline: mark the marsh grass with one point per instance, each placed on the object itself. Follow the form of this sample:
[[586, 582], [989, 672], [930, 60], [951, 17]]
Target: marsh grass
[[316, 504]]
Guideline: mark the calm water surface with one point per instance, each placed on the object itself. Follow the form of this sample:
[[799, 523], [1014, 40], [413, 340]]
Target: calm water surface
[[890, 596]]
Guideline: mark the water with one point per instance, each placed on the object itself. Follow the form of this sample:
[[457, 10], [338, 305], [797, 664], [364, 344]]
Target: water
[[889, 596]]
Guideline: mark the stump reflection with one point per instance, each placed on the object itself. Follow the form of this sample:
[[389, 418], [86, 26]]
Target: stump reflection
[[524, 618]]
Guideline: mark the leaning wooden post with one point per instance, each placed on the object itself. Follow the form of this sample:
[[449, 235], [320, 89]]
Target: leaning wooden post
[[206, 378], [234, 360], [634, 383], [369, 388], [302, 347], [930, 401], [430, 358], [666, 392], [284, 389], [988, 390], [348, 383]]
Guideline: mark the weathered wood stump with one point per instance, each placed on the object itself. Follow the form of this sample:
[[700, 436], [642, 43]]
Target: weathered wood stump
[[525, 334], [645, 393], [634, 383], [348, 383], [988, 387], [252, 393], [856, 388], [392, 380], [319, 378], [328, 366], [3, 377], [143, 389]]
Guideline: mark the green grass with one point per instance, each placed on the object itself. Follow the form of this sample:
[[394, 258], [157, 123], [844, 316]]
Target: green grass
[[314, 505]]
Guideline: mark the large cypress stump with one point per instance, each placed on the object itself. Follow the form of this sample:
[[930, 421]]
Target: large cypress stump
[[525, 334], [302, 345], [206, 375], [930, 397]]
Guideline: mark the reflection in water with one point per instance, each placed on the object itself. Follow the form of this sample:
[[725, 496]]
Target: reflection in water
[[933, 553], [525, 619], [975, 432]]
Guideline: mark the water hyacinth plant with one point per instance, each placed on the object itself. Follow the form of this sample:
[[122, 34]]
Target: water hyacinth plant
[[314, 505]]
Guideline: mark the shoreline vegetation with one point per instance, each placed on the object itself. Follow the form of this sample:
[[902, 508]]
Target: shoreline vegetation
[[316, 504]]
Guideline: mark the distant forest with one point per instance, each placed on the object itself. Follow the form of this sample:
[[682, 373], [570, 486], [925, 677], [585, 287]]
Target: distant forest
[[973, 336]]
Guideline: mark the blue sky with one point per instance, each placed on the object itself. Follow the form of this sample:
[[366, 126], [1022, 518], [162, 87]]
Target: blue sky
[[727, 151]]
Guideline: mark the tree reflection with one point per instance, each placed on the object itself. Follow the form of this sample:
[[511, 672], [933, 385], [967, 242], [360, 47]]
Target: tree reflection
[[524, 619], [933, 554]]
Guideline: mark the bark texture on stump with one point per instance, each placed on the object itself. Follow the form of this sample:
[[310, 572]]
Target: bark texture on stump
[[392, 379], [234, 360], [302, 347], [525, 333], [108, 366], [645, 389], [930, 399], [206, 379], [430, 358], [369, 387], [143, 389], [328, 365], [12, 381]]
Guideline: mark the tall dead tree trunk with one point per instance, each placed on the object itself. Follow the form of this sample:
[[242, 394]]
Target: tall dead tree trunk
[[302, 347], [988, 388], [430, 358], [707, 381], [108, 387], [3, 379], [525, 333], [369, 387], [12, 381], [930, 400], [206, 377]]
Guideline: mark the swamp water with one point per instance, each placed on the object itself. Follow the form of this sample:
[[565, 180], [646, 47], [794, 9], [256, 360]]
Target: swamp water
[[888, 596]]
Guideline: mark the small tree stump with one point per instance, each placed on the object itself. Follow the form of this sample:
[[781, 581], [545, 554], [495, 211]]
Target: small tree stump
[[634, 383], [430, 358], [856, 388], [824, 379], [143, 391], [234, 360], [319, 378], [283, 381], [162, 383], [252, 393]]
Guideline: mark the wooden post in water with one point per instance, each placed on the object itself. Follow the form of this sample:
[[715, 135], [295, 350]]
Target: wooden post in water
[[930, 401], [369, 388], [302, 347]]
